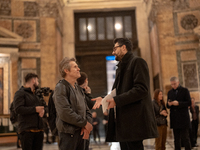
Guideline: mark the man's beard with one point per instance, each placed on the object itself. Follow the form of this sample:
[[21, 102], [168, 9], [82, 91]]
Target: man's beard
[[35, 86], [119, 57]]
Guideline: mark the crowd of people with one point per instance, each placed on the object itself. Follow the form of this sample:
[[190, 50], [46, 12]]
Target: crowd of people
[[131, 117]]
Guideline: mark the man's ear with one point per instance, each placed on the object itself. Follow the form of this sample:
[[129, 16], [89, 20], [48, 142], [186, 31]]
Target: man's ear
[[33, 80], [66, 71], [124, 49]]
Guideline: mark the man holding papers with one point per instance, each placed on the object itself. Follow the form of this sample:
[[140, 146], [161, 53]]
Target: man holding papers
[[131, 116]]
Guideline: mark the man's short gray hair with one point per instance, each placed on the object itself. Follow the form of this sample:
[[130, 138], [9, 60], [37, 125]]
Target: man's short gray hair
[[65, 64], [174, 79]]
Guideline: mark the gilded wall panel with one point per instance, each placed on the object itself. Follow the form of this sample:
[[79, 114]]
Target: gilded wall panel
[[194, 3], [6, 23], [188, 55], [5, 7], [185, 22], [17, 8], [26, 29], [31, 9], [28, 63]]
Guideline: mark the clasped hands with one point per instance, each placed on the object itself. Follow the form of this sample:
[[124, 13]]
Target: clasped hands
[[85, 131], [98, 103], [164, 113], [175, 103]]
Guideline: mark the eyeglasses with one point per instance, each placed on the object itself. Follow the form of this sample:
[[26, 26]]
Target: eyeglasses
[[114, 48]]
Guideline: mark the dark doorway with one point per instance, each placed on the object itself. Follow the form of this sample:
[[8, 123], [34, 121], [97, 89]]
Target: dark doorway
[[94, 34]]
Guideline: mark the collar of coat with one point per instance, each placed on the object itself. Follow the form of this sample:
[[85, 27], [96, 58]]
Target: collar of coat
[[126, 58]]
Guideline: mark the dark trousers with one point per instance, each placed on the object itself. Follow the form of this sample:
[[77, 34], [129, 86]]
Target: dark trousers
[[136, 145], [96, 133], [71, 142], [181, 134], [32, 140], [194, 131]]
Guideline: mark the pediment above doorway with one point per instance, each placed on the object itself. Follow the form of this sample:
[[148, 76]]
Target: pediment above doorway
[[9, 38]]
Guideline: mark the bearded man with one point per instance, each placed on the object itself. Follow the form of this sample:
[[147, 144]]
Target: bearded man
[[30, 112]]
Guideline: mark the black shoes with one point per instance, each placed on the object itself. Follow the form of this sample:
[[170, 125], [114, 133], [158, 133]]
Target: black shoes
[[47, 142]]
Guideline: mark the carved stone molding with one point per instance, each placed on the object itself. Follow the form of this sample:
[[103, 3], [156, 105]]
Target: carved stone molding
[[48, 10], [30, 9], [25, 30], [189, 22], [181, 4], [5, 7], [197, 31]]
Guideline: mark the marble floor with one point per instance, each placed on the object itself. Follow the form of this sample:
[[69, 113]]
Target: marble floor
[[148, 145]]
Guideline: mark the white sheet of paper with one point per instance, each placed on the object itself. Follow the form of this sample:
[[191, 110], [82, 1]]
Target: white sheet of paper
[[109, 96]]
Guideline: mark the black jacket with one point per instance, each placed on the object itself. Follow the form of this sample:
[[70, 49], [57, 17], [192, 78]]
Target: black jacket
[[135, 119], [160, 119], [196, 107], [179, 115], [24, 103], [68, 120], [88, 98]]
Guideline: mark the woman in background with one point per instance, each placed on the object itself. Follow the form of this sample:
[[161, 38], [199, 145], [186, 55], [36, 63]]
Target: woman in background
[[161, 115]]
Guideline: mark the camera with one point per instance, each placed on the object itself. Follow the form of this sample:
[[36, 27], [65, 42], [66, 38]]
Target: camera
[[44, 91]]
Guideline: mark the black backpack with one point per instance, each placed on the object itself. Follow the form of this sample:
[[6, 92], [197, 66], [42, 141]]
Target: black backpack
[[52, 115], [13, 115], [52, 111]]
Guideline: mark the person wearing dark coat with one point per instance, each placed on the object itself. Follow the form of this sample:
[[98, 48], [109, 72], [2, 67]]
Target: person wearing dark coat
[[74, 119], [83, 83], [131, 114], [194, 109], [178, 101], [30, 111]]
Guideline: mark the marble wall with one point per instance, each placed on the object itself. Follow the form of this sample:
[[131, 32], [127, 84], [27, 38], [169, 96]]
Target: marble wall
[[178, 45], [37, 22]]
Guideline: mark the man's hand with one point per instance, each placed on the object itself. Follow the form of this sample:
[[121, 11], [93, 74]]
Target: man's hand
[[85, 133], [40, 110], [169, 103], [87, 90], [111, 104], [98, 102], [175, 103], [89, 127], [41, 114], [95, 123]]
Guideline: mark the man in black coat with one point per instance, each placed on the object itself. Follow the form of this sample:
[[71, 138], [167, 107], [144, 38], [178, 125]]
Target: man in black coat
[[131, 115], [178, 102], [30, 111]]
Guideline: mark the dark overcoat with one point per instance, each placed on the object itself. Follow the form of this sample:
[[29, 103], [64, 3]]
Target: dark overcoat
[[179, 115], [135, 119]]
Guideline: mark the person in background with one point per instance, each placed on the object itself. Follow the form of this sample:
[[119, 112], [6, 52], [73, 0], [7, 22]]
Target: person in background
[[178, 101], [95, 127], [83, 83], [30, 112], [161, 115], [46, 130], [194, 109], [105, 122]]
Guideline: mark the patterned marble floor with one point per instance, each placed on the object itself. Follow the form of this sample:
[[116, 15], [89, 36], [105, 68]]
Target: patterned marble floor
[[148, 145]]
